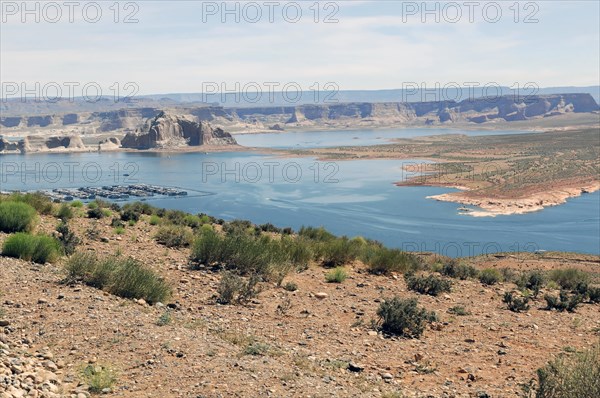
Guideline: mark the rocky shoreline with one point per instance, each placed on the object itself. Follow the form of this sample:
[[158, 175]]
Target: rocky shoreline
[[492, 207]]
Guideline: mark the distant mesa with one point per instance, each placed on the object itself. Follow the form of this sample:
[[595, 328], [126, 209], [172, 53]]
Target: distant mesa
[[187, 126], [166, 131], [33, 143]]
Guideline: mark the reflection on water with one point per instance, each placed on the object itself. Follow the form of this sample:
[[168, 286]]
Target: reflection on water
[[350, 197]]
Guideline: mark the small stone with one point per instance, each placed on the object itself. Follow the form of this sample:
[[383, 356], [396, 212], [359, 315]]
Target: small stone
[[387, 376], [321, 295], [372, 333], [4, 322], [42, 301], [51, 366], [353, 367]]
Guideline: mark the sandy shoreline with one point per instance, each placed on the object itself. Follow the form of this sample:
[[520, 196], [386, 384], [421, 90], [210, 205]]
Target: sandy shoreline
[[492, 207]]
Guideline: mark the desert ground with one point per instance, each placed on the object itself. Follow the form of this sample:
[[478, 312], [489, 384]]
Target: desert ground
[[316, 341]]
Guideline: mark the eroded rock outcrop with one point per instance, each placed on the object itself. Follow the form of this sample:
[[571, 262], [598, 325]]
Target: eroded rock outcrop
[[167, 131], [8, 146], [109, 144], [33, 143]]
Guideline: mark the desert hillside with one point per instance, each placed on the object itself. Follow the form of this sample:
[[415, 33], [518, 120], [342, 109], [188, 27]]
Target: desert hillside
[[313, 331]]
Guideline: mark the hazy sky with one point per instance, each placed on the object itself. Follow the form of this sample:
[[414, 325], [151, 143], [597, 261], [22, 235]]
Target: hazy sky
[[179, 46]]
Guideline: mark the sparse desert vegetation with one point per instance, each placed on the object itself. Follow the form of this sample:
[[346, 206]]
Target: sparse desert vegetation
[[275, 297]]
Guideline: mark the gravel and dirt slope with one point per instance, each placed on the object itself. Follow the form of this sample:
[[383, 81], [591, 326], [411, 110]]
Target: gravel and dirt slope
[[282, 344]]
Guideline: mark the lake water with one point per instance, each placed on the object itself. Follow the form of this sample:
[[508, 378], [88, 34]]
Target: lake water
[[312, 139], [348, 197]]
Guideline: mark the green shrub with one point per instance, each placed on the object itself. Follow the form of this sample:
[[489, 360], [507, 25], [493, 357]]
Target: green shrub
[[233, 289], [381, 260], [174, 236], [490, 276], [129, 214], [569, 278], [507, 275], [116, 223], [37, 248], [287, 231], [455, 269], [429, 284], [209, 249], [124, 277], [338, 252], [571, 376], [533, 281], [317, 234], [268, 227], [243, 253], [133, 211], [65, 212], [16, 217], [40, 202], [119, 230], [154, 219], [516, 304], [95, 212], [593, 294], [238, 227], [77, 204], [290, 286], [257, 348], [164, 319], [298, 250], [458, 310], [192, 221], [563, 302], [99, 378], [403, 317], [67, 238], [337, 275], [132, 280]]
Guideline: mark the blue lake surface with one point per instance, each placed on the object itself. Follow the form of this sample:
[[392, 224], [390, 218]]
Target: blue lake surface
[[324, 139], [347, 197]]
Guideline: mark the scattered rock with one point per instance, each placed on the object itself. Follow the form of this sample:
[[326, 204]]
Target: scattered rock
[[353, 367]]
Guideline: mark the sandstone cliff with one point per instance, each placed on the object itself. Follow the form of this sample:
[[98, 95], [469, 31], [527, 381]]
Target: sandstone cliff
[[475, 111], [34, 143], [46, 144], [166, 131]]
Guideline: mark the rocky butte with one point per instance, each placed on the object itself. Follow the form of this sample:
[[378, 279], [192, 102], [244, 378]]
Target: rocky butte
[[175, 131], [162, 132]]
